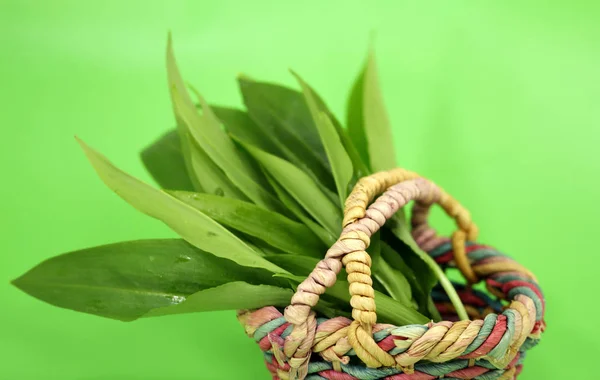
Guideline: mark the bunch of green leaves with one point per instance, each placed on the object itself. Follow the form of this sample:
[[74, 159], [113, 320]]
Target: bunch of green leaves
[[256, 196]]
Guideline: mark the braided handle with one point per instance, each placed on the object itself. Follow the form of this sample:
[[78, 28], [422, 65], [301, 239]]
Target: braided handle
[[360, 223]]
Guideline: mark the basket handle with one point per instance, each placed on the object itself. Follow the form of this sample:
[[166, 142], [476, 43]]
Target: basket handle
[[360, 223]]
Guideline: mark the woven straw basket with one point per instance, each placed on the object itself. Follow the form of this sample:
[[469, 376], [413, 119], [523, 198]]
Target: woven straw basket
[[298, 344]]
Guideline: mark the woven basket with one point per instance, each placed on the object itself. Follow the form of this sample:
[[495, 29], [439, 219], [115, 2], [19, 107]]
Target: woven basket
[[298, 344]]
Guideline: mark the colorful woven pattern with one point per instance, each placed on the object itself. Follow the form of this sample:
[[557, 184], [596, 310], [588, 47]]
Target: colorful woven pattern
[[491, 345]]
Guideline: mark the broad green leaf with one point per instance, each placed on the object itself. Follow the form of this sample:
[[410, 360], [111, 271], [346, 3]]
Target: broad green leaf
[[297, 210], [302, 188], [231, 296], [206, 175], [240, 125], [207, 132], [368, 123], [339, 161], [165, 161], [270, 227], [284, 116], [393, 281], [126, 280], [192, 225]]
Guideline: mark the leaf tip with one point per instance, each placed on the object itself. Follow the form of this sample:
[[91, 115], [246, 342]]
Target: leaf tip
[[80, 142], [15, 282], [294, 73], [243, 78], [372, 40]]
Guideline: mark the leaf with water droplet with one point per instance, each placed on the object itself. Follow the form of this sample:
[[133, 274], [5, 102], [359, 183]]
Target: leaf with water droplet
[[273, 228], [120, 281]]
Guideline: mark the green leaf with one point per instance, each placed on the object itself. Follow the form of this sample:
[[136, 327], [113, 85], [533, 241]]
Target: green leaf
[[207, 132], [126, 280], [165, 161], [429, 272], [421, 290], [284, 116], [297, 210], [400, 239], [212, 179], [192, 225], [355, 119], [393, 281], [302, 188], [270, 227], [205, 174], [368, 123], [338, 158], [239, 124], [231, 296], [297, 265]]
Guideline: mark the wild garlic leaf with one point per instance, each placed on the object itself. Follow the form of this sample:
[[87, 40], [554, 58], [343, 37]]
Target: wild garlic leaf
[[206, 130], [205, 174], [129, 279], [302, 188], [355, 119], [296, 209], [164, 160], [192, 225], [392, 280], [297, 265], [368, 122], [273, 228], [284, 116], [239, 124], [339, 161], [408, 258]]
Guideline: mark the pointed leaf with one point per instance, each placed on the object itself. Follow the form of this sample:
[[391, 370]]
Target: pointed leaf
[[270, 227], [164, 160], [368, 122], [302, 188], [192, 225], [205, 174], [338, 158], [355, 119], [126, 280], [283, 114], [360, 167], [207, 132]]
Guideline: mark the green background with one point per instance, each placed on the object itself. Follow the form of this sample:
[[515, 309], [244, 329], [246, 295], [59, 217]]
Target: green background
[[496, 101]]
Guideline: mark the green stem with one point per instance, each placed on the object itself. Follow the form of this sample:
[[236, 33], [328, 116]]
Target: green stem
[[449, 288]]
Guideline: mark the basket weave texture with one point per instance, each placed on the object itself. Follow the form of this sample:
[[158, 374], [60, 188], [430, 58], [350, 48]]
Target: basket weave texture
[[298, 344]]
